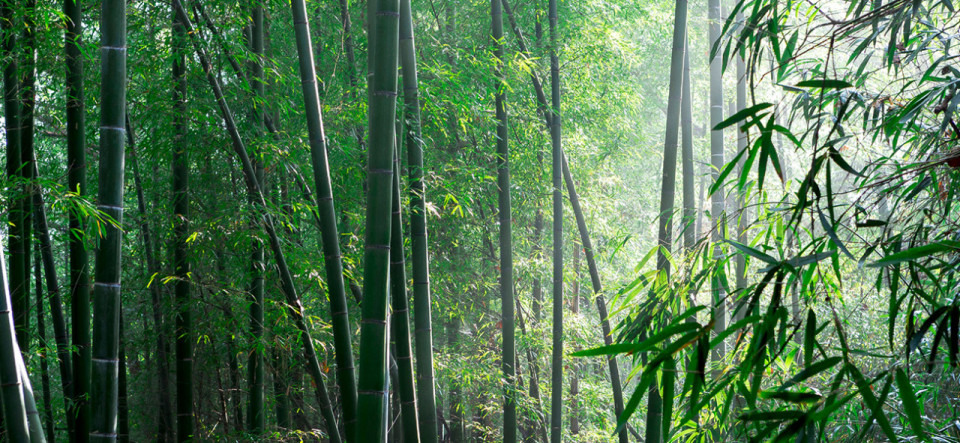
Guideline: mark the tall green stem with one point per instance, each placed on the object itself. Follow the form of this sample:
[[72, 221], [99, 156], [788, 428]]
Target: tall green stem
[[256, 417], [506, 236], [372, 382], [556, 400], [11, 109], [106, 290], [422, 316], [181, 216], [328, 222], [78, 410], [400, 320], [656, 421]]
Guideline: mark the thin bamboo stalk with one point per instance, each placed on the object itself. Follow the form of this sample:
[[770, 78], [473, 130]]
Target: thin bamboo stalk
[[423, 323], [165, 409], [556, 397], [47, 418], [253, 188], [45, 248], [78, 409], [183, 320], [508, 364], [333, 261], [256, 416], [400, 319]]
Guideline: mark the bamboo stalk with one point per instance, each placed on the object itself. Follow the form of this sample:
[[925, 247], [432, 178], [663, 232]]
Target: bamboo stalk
[[183, 320], [106, 290], [422, 315], [400, 319], [333, 262], [45, 248], [556, 397], [256, 416], [78, 409], [504, 212], [164, 411], [372, 386], [253, 187]]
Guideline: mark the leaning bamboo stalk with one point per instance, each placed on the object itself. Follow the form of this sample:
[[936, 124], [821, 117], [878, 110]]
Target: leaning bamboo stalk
[[47, 418], [422, 317], [326, 211], [106, 288], [372, 393], [400, 319], [164, 422], [53, 290], [614, 369], [253, 187]]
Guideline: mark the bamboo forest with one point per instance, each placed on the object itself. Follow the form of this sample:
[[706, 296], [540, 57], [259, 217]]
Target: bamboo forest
[[480, 221]]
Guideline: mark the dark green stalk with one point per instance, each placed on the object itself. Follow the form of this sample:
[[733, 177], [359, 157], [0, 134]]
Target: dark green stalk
[[42, 335], [333, 263], [295, 306], [506, 236], [422, 317], [183, 322], [281, 388], [372, 381], [53, 290], [106, 291], [11, 109], [556, 399], [400, 319], [27, 105], [716, 161], [78, 410], [256, 416], [656, 421], [164, 422]]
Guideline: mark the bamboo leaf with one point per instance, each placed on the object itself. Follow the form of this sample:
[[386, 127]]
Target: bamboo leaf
[[918, 252], [824, 84], [741, 116], [910, 405], [753, 252]]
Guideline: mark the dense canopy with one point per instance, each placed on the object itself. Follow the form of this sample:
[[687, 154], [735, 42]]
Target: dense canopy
[[503, 220]]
